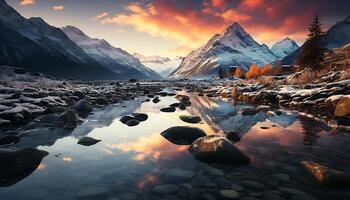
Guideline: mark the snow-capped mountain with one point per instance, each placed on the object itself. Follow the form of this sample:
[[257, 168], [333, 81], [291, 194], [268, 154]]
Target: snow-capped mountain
[[163, 65], [231, 48], [337, 36], [284, 48], [37, 46], [115, 59]]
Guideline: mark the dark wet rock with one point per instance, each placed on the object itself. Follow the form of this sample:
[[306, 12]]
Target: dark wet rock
[[17, 114], [182, 98], [156, 100], [5, 123], [132, 122], [9, 139], [133, 80], [248, 111], [179, 175], [150, 95], [281, 177], [163, 94], [82, 106], [217, 149], [175, 105], [125, 119], [229, 194], [140, 116], [253, 185], [168, 109], [15, 165], [88, 141], [182, 135], [165, 189], [264, 127], [182, 106], [233, 136], [190, 119], [69, 117], [344, 121], [326, 175], [145, 92]]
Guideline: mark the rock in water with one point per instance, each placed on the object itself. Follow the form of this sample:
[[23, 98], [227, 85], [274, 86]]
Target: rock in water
[[233, 136], [168, 109], [217, 149], [88, 141], [15, 165], [132, 122], [229, 194], [140, 116], [125, 119], [9, 140], [82, 106], [343, 107], [182, 135], [190, 119], [326, 175]]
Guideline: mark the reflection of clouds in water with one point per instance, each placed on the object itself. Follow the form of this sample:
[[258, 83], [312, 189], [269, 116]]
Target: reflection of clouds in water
[[67, 159], [152, 146]]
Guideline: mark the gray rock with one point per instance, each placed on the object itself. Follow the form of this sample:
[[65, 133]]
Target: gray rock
[[217, 149], [179, 174], [82, 106], [281, 177], [229, 194], [182, 135], [165, 189], [253, 185], [9, 140]]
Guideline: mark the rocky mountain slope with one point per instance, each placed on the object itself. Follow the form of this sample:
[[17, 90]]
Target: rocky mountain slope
[[337, 36], [284, 48], [231, 48], [114, 59], [163, 65]]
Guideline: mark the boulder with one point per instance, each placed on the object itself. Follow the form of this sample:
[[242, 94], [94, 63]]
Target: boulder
[[342, 108], [15, 165], [248, 111], [182, 135], [156, 100], [182, 98], [82, 106], [217, 149], [88, 141], [326, 175], [233, 136], [190, 119]]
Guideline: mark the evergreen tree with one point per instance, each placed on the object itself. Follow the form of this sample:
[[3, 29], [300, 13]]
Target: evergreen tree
[[312, 53]]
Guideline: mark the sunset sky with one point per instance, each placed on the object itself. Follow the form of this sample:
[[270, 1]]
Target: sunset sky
[[175, 27]]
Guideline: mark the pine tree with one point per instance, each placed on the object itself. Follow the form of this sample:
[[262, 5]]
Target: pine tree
[[312, 53]]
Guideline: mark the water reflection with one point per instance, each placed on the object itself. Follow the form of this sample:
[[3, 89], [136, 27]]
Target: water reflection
[[132, 160]]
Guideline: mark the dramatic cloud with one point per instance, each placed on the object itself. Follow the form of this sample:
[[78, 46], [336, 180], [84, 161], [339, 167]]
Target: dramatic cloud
[[101, 16], [192, 23], [58, 8], [27, 2]]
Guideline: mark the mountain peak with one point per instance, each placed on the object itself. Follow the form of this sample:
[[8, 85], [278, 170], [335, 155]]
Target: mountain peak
[[284, 47], [234, 27], [74, 29]]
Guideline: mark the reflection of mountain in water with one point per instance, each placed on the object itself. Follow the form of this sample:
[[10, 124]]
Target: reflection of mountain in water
[[225, 116], [105, 117], [44, 136]]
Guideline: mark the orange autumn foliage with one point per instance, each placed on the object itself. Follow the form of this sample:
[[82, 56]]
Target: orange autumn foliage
[[239, 73], [266, 70], [254, 72]]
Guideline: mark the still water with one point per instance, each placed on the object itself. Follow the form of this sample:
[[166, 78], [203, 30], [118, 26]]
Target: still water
[[130, 162]]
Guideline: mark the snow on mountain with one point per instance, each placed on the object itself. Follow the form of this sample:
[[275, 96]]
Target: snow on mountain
[[163, 65], [231, 48], [283, 48], [115, 59]]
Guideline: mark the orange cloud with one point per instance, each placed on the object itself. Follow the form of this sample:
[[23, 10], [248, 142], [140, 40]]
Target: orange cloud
[[251, 3], [58, 8], [27, 2], [101, 15]]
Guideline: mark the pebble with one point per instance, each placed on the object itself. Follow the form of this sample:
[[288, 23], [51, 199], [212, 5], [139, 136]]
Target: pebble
[[165, 189], [229, 194]]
